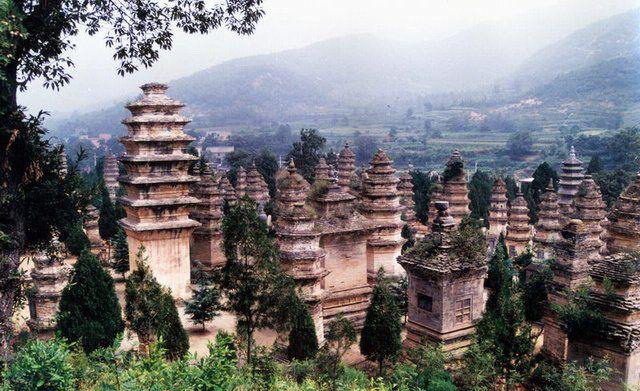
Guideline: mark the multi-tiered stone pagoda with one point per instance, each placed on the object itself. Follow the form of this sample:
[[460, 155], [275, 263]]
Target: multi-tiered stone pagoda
[[157, 185], [381, 206], [548, 225], [346, 167], [571, 177], [110, 174], [206, 240], [50, 275], [624, 221], [299, 243], [518, 229], [455, 190], [498, 210], [590, 209]]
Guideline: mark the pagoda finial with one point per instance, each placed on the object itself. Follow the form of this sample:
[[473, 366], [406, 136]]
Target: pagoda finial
[[291, 167], [572, 152]]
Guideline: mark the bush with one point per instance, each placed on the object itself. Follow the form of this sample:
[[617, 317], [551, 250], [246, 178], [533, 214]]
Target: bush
[[76, 240], [303, 342], [40, 366], [89, 308]]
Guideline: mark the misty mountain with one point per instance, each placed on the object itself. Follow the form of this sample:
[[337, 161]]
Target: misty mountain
[[613, 81], [360, 70], [614, 37]]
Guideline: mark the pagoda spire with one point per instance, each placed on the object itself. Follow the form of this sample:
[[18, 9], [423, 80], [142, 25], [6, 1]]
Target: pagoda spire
[[405, 188], [548, 225], [518, 229], [498, 210], [157, 184], [227, 191], [299, 243], [322, 172]]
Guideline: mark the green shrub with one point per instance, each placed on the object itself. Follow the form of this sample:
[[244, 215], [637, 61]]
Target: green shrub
[[40, 366]]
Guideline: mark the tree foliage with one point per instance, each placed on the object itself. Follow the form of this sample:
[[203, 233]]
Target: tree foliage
[[303, 342], [151, 313], [89, 307], [107, 221], [204, 305], [307, 152], [380, 338], [120, 252], [480, 188], [258, 292], [519, 145], [422, 189]]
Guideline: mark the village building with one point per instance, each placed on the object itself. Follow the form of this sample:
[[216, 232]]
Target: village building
[[157, 184]]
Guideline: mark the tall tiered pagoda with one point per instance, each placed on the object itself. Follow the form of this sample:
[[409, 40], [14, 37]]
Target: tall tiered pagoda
[[571, 176], [518, 230], [498, 210], [206, 240], [381, 206], [110, 174], [346, 167], [548, 225], [455, 189], [157, 185], [624, 220], [590, 209], [299, 243]]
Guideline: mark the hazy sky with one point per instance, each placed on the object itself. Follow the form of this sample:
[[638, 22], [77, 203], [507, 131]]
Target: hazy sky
[[287, 24]]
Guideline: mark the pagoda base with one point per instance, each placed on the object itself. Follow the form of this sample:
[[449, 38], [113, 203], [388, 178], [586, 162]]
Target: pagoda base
[[167, 255], [454, 343], [352, 304]]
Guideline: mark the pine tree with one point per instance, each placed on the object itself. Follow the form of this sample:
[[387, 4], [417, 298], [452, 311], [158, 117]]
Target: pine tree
[[120, 253], [151, 313], [303, 342], [258, 291], [89, 308], [380, 339], [205, 302], [339, 338]]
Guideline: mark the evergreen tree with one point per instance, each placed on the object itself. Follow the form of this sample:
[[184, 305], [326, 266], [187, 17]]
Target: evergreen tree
[[205, 302], [303, 342], [306, 153], [76, 240], [407, 233], [120, 252], [107, 222], [480, 188], [380, 339], [503, 329], [595, 165], [422, 188], [399, 290], [542, 176], [151, 313], [258, 292], [89, 308], [169, 328]]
